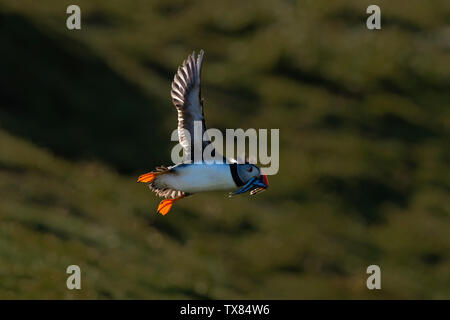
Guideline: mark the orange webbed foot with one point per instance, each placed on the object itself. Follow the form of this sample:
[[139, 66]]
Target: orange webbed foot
[[165, 205]]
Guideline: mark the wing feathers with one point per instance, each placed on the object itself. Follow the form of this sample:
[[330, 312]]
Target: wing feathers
[[186, 96]]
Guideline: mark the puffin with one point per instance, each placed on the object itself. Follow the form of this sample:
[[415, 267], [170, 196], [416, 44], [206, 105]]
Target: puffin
[[192, 176]]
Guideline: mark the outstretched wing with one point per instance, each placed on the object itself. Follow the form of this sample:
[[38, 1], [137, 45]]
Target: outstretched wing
[[186, 96]]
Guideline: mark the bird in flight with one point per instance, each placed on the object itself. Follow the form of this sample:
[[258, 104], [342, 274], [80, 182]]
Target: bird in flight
[[184, 179]]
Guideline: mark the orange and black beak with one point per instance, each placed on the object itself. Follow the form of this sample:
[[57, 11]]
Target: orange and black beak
[[265, 180]]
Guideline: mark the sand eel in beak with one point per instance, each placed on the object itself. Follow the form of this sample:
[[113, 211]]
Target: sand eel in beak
[[176, 182]]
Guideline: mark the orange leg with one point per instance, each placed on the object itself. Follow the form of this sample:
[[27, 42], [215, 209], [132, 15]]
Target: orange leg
[[165, 205], [149, 177]]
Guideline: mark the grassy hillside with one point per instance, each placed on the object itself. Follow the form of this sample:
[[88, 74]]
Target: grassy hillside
[[365, 146]]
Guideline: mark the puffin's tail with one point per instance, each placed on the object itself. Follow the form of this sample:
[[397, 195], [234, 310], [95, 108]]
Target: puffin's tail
[[162, 190]]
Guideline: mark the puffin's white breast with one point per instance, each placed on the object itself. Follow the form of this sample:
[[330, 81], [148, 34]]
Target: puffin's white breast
[[199, 177]]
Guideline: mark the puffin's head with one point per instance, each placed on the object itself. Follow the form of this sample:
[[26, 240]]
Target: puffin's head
[[252, 178]]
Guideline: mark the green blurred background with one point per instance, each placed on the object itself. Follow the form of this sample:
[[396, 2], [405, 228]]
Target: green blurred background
[[364, 178]]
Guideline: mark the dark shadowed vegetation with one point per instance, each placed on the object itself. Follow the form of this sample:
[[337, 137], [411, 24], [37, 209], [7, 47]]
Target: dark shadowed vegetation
[[364, 176]]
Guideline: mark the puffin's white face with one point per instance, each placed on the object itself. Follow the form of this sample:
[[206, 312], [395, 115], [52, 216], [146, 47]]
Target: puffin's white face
[[247, 171]]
